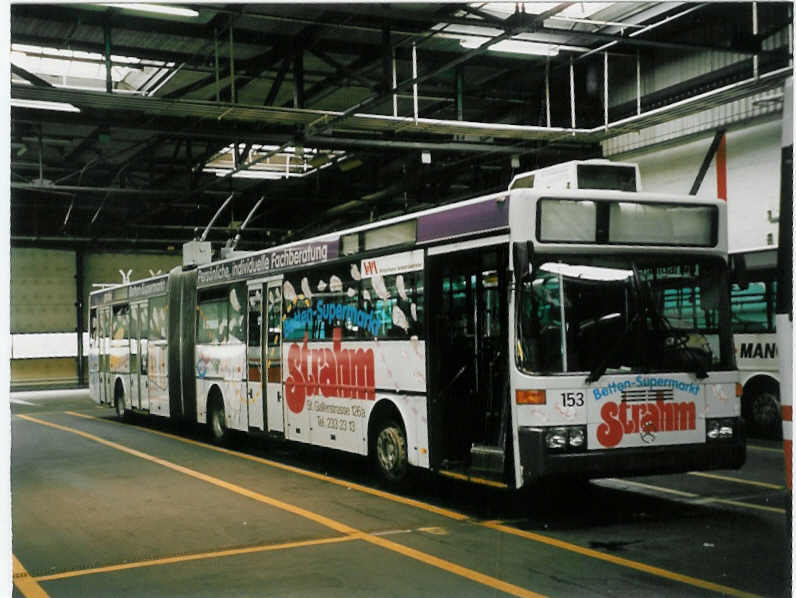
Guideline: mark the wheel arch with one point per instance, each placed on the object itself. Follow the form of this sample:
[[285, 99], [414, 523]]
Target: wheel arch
[[214, 394], [761, 381], [383, 410]]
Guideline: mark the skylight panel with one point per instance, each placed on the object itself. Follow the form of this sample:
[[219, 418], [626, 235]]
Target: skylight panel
[[289, 162], [577, 10], [81, 70]]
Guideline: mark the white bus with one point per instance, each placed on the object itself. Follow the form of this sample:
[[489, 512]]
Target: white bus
[[570, 326], [785, 288], [753, 310]]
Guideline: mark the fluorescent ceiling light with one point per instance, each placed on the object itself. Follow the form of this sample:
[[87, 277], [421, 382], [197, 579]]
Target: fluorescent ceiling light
[[247, 174], [163, 9], [512, 46], [579, 10], [42, 105]]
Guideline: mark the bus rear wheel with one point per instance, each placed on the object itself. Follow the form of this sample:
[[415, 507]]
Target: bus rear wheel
[[765, 412], [217, 422], [118, 401], [390, 452]]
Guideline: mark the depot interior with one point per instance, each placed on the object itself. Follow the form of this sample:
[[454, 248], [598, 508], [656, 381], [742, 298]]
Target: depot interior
[[131, 125]]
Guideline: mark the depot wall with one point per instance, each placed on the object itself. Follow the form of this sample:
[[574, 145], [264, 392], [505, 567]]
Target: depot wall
[[45, 299], [752, 170]]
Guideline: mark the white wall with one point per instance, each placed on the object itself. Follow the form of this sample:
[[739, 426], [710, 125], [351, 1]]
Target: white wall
[[753, 166]]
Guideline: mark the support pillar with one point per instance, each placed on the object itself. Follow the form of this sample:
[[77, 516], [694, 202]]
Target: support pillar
[[80, 328], [106, 29], [459, 93]]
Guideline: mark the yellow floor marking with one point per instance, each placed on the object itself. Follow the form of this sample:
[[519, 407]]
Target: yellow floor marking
[[725, 478], [195, 557], [658, 571], [747, 505], [29, 587], [338, 526], [472, 479], [310, 474], [756, 447]]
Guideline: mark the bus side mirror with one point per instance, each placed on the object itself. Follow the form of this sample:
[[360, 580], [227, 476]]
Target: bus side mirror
[[521, 254], [738, 273]]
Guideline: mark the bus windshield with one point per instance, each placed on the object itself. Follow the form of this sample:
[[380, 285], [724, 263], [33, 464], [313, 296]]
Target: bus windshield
[[621, 314]]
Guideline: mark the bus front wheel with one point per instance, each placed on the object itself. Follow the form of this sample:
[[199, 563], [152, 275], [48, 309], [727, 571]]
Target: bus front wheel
[[390, 452]]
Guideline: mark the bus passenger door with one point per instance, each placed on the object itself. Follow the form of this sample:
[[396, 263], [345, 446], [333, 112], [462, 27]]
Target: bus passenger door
[[467, 316], [254, 357], [274, 416], [135, 358]]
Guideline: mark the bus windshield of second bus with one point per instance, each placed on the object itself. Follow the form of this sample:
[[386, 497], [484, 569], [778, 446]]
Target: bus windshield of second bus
[[621, 314]]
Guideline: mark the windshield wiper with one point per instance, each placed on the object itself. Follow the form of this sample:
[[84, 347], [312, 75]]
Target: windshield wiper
[[600, 368], [664, 325]]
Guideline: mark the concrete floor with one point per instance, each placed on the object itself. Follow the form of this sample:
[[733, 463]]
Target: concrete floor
[[108, 508]]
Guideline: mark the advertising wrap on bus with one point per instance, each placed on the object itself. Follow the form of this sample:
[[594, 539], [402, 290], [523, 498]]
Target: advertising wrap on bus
[[330, 388]]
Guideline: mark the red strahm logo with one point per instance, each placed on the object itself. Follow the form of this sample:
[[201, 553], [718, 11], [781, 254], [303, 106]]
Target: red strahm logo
[[335, 372], [643, 418]]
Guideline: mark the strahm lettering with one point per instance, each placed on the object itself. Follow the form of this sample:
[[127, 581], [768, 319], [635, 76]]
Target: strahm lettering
[[335, 372], [628, 418]]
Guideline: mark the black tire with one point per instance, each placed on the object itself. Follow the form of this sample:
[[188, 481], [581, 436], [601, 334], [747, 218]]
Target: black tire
[[766, 418], [390, 453], [217, 422], [118, 403]]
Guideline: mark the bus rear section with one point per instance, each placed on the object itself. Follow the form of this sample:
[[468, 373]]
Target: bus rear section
[[622, 352]]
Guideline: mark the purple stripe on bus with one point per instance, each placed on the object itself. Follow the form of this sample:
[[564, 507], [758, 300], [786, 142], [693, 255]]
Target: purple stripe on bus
[[469, 219]]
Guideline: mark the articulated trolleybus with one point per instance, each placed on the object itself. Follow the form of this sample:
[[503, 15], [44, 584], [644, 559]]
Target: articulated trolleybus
[[572, 325]]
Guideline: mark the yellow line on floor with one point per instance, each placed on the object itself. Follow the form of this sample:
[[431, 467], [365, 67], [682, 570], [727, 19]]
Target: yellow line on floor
[[726, 478], [338, 526], [767, 449], [746, 505], [29, 587], [595, 554], [310, 474], [196, 557]]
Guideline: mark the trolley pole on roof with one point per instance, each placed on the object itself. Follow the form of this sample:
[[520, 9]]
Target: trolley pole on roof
[[215, 216], [235, 241]]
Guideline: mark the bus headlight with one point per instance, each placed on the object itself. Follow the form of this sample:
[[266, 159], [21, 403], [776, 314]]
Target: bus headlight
[[565, 438], [720, 429], [555, 439], [577, 437]]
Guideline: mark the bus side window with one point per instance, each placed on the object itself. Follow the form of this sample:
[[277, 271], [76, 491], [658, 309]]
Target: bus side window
[[211, 321], [158, 318], [121, 322], [237, 314], [752, 308]]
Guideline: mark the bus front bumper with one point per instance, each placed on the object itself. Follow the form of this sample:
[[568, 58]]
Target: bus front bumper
[[538, 462]]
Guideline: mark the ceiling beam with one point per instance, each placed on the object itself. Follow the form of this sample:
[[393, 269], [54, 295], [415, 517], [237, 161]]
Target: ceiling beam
[[163, 192]]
